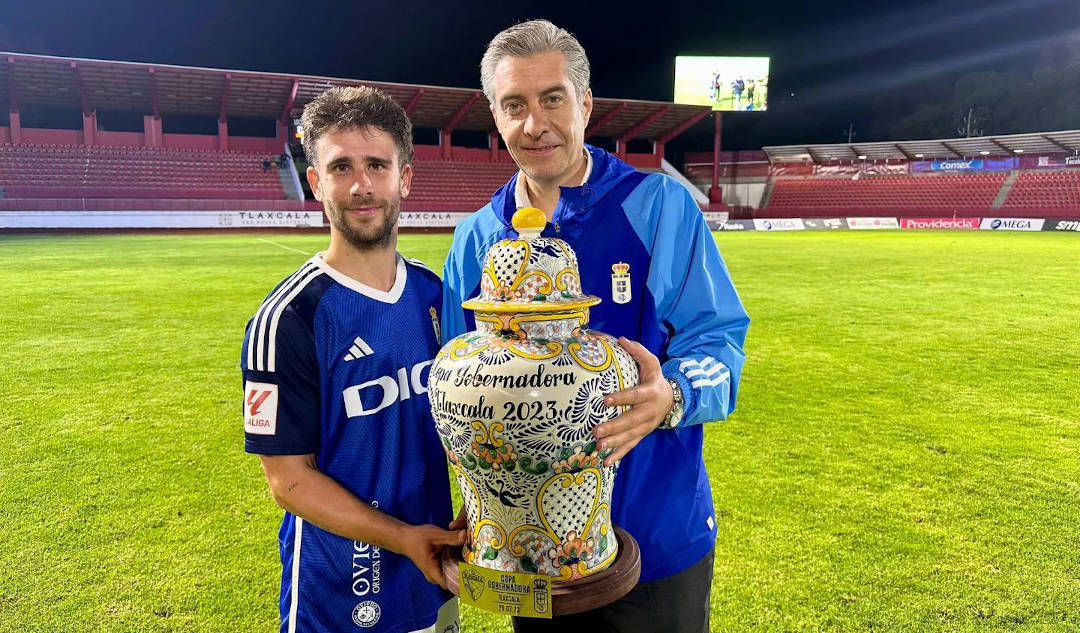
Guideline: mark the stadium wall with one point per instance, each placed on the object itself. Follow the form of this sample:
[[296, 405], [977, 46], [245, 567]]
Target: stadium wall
[[916, 223]]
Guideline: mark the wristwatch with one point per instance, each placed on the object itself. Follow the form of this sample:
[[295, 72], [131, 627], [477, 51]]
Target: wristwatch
[[674, 416]]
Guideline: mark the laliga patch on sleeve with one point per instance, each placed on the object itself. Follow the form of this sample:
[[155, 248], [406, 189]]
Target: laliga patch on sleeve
[[260, 408]]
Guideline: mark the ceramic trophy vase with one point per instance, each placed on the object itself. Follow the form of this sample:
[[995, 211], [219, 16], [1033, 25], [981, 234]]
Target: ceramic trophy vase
[[515, 403]]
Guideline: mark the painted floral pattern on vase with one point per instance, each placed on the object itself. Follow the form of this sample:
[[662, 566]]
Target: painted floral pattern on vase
[[515, 402]]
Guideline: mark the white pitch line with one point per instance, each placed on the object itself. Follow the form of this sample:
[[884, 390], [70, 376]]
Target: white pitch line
[[288, 248]]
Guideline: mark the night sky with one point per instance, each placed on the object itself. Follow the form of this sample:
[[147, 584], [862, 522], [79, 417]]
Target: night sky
[[833, 63]]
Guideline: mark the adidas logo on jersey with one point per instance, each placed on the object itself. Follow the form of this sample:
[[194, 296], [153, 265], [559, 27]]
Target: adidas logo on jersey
[[359, 349]]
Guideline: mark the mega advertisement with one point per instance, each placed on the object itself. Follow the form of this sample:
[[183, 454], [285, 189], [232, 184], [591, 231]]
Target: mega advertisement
[[973, 164], [939, 223], [1011, 224], [158, 219], [728, 84], [872, 223], [779, 224]]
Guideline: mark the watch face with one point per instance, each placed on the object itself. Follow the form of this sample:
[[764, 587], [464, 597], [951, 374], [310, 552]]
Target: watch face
[[676, 393], [675, 415]]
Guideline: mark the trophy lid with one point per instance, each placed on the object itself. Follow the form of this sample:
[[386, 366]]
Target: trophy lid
[[530, 273]]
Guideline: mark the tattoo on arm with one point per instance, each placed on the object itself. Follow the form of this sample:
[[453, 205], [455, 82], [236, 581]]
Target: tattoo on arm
[[292, 485]]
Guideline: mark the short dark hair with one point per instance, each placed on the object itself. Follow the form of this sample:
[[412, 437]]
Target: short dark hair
[[353, 107]]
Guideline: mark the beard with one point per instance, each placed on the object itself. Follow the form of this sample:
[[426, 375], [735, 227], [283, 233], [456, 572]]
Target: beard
[[370, 235]]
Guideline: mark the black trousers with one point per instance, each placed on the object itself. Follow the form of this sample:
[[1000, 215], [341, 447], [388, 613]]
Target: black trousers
[[676, 604]]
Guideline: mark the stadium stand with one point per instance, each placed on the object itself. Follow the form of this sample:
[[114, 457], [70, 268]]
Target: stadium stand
[[94, 171], [447, 185], [816, 196], [1045, 192], [1022, 175], [99, 170]]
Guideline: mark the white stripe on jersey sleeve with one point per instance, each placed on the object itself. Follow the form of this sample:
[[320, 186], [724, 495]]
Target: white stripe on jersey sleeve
[[281, 300], [258, 321], [271, 352]]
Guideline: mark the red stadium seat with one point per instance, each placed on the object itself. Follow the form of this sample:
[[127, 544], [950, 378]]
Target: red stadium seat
[[883, 195], [1044, 194], [455, 185], [76, 171]]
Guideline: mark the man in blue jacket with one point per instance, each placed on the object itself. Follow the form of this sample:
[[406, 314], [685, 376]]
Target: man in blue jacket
[[679, 303]]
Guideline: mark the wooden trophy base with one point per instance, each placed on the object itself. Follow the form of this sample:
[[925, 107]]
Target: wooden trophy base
[[581, 594]]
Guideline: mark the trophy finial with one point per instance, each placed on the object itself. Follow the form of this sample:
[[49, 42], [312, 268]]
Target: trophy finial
[[529, 222]]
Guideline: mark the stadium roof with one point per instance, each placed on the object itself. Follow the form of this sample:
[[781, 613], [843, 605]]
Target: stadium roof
[[1046, 143], [89, 85]]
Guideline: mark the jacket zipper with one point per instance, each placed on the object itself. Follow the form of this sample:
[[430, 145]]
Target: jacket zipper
[[555, 217], [558, 230]]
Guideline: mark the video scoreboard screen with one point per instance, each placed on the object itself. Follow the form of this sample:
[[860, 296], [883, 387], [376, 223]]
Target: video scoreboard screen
[[728, 84]]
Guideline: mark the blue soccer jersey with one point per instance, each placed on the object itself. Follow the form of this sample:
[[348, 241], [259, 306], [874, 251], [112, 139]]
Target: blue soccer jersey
[[340, 369]]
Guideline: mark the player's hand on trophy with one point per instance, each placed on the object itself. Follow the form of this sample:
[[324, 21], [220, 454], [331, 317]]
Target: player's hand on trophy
[[423, 545], [460, 522], [649, 402]]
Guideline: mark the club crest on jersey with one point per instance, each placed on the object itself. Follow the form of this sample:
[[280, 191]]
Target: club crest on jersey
[[620, 282], [435, 324], [366, 614]]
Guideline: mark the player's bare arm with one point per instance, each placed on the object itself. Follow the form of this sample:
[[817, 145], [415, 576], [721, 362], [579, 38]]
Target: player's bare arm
[[299, 487]]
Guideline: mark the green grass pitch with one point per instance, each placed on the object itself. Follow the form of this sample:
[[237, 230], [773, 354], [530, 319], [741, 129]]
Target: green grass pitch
[[903, 456]]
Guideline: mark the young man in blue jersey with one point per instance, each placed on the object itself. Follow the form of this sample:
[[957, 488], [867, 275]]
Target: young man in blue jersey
[[335, 366], [682, 307]]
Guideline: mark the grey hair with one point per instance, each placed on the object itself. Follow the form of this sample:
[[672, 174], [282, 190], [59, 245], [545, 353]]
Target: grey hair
[[530, 38]]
